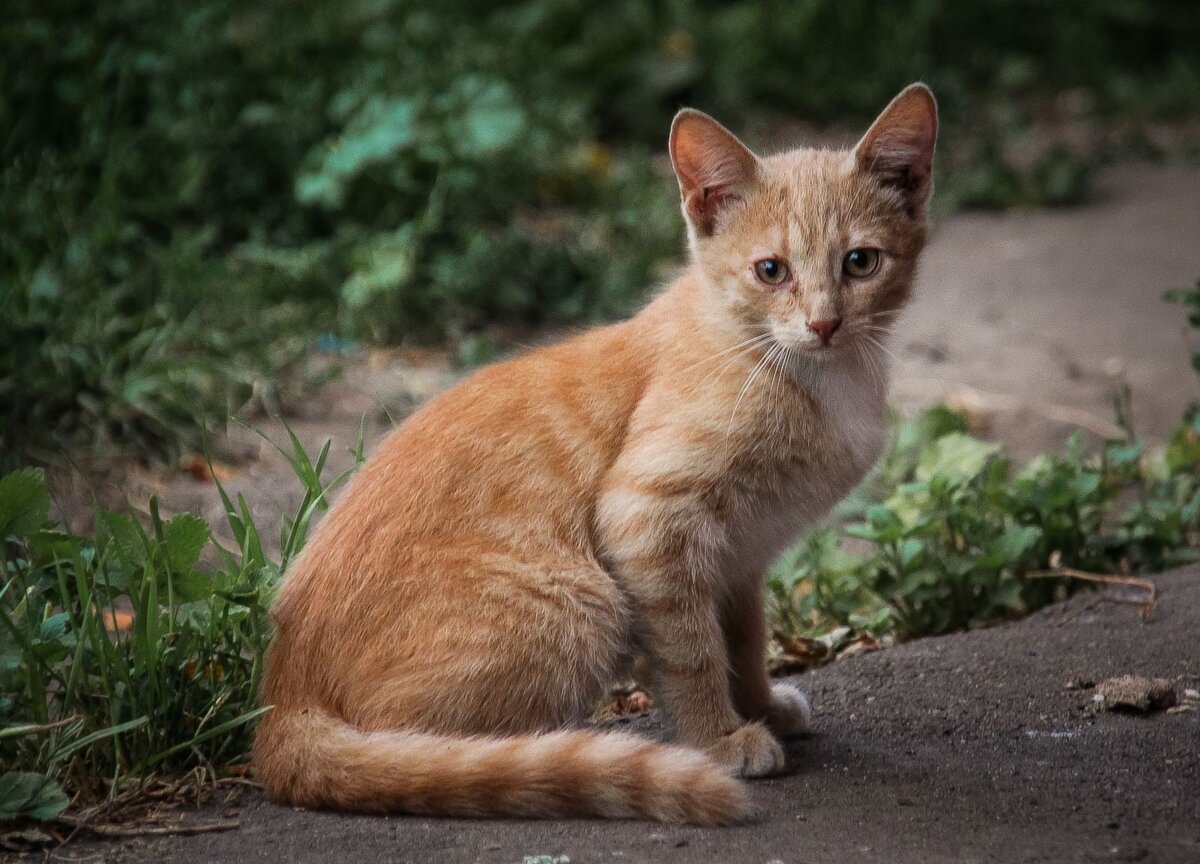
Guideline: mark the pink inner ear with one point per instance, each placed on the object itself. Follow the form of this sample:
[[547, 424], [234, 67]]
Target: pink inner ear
[[900, 143], [705, 203], [898, 150], [704, 163], [712, 166]]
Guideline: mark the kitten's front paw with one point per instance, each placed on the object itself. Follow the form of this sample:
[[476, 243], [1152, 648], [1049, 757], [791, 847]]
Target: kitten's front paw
[[790, 713], [749, 751]]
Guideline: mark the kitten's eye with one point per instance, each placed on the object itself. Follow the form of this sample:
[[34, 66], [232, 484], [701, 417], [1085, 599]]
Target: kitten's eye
[[859, 263], [771, 271]]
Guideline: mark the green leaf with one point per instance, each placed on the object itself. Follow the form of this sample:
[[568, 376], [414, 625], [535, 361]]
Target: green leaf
[[221, 729], [1085, 485], [377, 133], [1017, 540], [1183, 450], [1008, 594], [492, 122], [955, 455], [11, 656], [909, 550], [24, 794], [193, 586], [24, 503], [1126, 454], [54, 627], [184, 538], [386, 265], [129, 538]]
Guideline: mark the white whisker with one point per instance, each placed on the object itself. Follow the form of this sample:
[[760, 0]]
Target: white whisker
[[747, 347], [754, 373], [886, 350], [751, 342]]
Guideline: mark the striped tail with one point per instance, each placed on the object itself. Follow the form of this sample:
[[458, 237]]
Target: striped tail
[[310, 759]]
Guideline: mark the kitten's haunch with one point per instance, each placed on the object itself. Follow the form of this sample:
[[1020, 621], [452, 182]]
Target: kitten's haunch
[[506, 552]]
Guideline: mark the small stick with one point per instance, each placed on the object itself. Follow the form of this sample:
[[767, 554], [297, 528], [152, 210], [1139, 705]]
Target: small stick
[[1130, 581], [237, 781], [121, 831], [36, 729], [987, 400]]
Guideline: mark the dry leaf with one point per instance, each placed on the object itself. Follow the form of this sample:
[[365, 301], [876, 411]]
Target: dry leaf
[[198, 466]]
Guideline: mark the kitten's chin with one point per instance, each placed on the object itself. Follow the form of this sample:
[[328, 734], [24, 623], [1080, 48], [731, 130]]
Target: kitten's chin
[[809, 351]]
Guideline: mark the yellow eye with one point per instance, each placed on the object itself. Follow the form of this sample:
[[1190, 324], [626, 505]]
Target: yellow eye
[[771, 271], [860, 263]]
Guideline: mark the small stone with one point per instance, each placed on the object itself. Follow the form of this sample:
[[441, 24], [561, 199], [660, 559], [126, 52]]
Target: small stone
[[1135, 693]]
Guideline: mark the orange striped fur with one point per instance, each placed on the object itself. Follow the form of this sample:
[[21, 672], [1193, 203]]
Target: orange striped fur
[[515, 543]]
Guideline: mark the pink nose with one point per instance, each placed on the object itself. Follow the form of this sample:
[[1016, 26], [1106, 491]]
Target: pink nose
[[825, 329]]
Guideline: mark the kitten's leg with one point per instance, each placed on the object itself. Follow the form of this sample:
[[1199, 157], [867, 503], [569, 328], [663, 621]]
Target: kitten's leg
[[746, 639], [675, 597], [784, 708]]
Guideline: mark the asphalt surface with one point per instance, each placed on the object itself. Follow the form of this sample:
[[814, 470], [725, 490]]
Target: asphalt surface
[[974, 747]]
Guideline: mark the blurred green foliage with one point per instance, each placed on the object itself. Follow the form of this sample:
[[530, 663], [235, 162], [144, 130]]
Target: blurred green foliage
[[219, 175]]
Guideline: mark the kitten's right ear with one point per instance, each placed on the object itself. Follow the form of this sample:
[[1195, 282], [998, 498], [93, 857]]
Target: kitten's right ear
[[714, 168], [898, 148]]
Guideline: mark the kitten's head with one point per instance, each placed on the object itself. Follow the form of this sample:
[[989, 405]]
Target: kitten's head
[[816, 248]]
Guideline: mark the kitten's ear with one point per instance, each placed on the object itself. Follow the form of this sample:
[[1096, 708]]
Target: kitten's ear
[[898, 148], [714, 168]]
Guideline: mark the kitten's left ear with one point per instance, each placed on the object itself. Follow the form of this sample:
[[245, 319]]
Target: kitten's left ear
[[898, 148], [714, 168]]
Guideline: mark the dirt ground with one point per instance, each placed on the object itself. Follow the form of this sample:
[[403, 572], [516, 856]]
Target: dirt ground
[[985, 746], [963, 748]]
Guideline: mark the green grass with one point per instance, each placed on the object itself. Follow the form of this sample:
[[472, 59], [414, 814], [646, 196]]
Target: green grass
[[135, 650]]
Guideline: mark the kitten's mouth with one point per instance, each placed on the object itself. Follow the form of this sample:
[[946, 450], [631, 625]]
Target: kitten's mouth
[[806, 347]]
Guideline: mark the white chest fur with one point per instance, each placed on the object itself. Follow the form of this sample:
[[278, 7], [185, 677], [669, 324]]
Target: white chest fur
[[827, 453]]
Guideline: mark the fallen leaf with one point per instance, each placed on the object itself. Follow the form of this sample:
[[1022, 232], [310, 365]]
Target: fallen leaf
[[198, 466], [624, 700], [117, 620]]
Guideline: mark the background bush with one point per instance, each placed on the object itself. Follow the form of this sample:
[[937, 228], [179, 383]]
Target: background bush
[[396, 169]]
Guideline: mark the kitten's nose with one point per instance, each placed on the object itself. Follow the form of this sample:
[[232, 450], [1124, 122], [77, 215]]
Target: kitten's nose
[[825, 329]]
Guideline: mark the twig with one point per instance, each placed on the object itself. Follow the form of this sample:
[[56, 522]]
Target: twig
[[1147, 585], [35, 729], [983, 400], [149, 830], [237, 781]]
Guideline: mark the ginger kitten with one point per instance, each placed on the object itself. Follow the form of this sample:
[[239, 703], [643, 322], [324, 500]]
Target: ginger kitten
[[513, 544]]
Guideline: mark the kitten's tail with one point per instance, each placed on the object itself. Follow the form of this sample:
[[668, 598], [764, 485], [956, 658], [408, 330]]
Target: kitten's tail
[[310, 759]]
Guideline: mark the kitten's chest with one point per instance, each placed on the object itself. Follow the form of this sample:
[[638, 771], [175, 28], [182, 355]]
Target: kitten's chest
[[816, 448]]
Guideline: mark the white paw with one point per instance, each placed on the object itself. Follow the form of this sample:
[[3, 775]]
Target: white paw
[[749, 751], [790, 713]]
